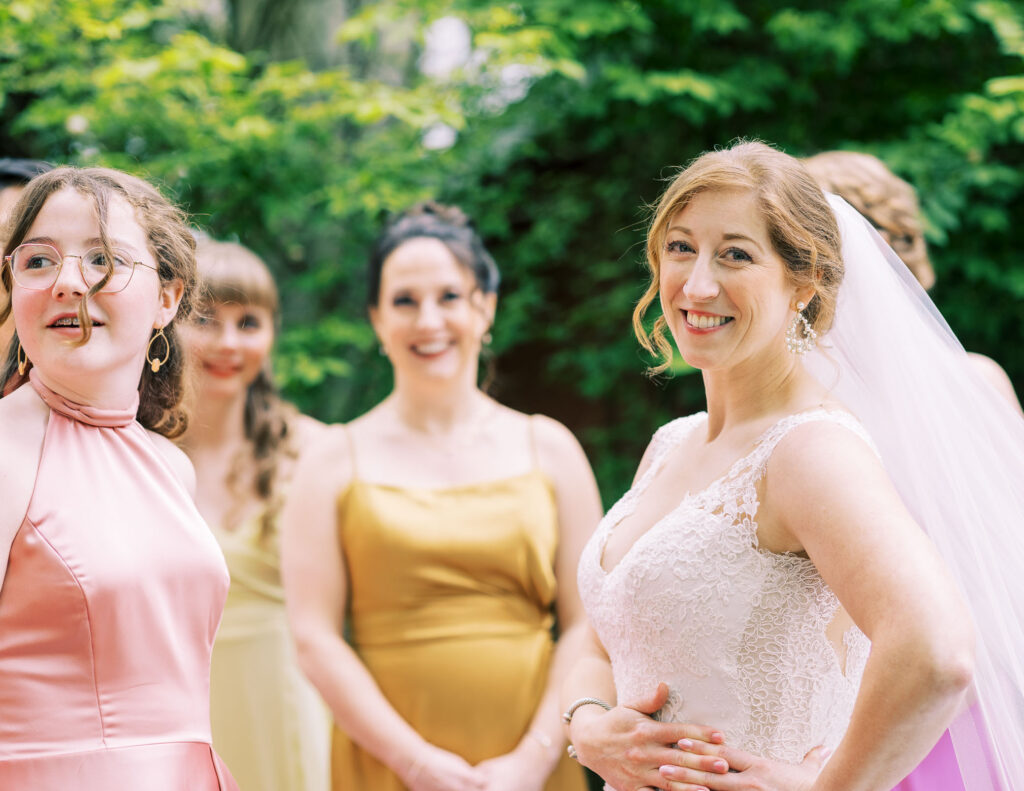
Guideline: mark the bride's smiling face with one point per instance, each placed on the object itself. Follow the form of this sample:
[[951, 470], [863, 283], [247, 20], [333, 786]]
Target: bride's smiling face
[[725, 291]]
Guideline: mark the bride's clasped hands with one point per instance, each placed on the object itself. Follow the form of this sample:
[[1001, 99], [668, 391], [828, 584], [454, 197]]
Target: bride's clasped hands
[[746, 772], [629, 749], [676, 756]]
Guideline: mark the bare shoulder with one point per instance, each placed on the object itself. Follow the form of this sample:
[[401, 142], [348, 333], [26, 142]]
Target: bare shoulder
[[563, 460], [177, 460], [307, 429], [555, 442], [23, 418], [993, 373], [325, 460], [825, 445], [308, 519], [824, 464]]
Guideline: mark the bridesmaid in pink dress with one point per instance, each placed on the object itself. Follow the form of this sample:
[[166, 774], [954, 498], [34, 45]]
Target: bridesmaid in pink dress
[[112, 585]]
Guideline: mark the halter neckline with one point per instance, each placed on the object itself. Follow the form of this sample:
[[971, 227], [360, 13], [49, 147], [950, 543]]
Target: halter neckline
[[91, 416]]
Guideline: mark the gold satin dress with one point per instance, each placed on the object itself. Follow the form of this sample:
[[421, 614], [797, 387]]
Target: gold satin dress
[[450, 609], [269, 724]]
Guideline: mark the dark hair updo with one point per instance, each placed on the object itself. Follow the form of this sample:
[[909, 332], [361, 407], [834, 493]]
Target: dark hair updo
[[447, 224]]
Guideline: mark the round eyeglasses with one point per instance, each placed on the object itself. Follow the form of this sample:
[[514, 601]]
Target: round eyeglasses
[[37, 266]]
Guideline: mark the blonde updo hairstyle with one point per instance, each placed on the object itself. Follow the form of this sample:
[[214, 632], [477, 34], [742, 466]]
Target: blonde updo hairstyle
[[231, 273], [801, 226], [888, 202], [171, 243]]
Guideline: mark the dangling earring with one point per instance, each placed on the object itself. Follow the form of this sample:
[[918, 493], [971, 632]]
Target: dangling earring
[[800, 339], [154, 365], [486, 339], [22, 360]]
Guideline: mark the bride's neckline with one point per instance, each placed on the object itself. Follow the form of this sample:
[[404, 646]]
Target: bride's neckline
[[696, 420]]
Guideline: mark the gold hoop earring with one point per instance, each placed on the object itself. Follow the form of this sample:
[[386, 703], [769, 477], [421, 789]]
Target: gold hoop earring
[[22, 360], [154, 365]]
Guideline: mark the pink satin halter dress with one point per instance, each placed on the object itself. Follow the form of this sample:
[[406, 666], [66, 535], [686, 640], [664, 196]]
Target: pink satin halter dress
[[112, 596]]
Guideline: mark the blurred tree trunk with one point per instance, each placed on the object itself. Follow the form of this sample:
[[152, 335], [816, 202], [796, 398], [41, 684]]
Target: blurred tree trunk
[[307, 30], [290, 29]]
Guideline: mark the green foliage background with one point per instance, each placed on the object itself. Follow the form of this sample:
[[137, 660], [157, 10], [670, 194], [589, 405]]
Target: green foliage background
[[302, 165]]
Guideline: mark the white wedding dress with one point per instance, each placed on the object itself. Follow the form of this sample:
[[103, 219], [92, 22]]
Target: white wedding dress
[[737, 632]]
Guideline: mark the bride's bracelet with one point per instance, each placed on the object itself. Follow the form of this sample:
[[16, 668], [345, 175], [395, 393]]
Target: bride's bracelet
[[567, 717]]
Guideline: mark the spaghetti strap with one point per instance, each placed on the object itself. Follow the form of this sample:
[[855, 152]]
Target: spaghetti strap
[[534, 457]]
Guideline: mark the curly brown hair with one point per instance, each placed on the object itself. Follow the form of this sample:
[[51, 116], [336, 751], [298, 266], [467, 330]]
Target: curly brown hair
[[801, 226], [888, 202], [172, 245]]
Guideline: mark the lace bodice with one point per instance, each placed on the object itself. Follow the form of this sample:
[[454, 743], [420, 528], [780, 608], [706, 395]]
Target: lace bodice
[[737, 632]]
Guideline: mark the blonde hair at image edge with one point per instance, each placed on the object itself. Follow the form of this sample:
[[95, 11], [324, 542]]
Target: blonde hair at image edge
[[801, 226]]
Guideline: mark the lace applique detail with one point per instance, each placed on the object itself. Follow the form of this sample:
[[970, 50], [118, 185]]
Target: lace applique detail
[[738, 632]]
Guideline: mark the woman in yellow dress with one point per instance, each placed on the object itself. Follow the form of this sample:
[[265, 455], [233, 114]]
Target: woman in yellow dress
[[441, 531], [269, 724]]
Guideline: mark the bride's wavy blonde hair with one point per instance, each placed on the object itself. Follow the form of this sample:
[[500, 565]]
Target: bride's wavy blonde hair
[[801, 226]]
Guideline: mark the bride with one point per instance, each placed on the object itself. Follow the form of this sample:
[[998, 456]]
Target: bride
[[821, 564]]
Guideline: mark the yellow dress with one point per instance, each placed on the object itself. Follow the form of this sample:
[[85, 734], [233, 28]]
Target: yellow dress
[[269, 724], [451, 594]]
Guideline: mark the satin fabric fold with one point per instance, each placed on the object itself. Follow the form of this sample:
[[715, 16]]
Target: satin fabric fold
[[451, 610]]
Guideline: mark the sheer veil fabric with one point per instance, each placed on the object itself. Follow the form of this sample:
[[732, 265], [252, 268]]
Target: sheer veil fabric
[[955, 450]]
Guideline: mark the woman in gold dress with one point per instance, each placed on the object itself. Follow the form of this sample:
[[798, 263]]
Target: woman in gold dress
[[269, 724], [442, 530]]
